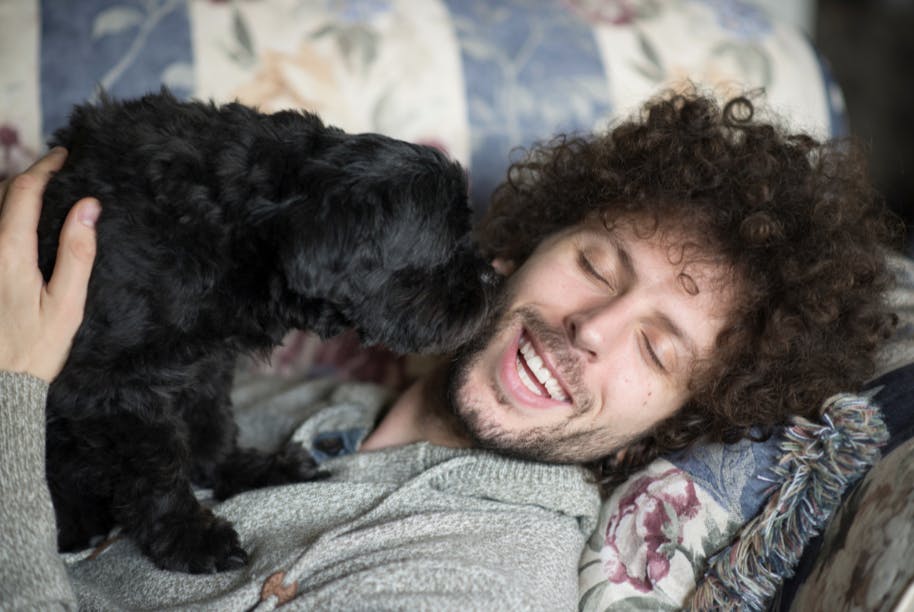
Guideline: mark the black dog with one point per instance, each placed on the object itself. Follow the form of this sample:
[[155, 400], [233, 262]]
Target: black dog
[[221, 229]]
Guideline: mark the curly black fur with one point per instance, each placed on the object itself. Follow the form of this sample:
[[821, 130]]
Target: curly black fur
[[221, 229]]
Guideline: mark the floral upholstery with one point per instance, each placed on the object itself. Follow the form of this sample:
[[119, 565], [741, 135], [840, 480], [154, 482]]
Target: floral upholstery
[[720, 526], [471, 76]]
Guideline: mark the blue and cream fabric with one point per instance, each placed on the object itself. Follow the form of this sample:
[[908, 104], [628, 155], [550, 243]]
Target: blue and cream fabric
[[473, 77]]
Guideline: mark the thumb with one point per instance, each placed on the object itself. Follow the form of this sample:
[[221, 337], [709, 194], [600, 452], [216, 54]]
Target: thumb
[[75, 255]]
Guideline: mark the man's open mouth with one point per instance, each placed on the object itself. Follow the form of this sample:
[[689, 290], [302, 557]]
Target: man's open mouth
[[533, 373]]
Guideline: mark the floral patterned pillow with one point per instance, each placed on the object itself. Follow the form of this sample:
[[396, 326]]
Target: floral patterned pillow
[[721, 525], [658, 529]]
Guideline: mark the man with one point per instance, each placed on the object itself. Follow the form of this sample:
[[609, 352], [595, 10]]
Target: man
[[693, 272]]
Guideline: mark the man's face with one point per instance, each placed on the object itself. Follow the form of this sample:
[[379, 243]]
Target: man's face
[[595, 346]]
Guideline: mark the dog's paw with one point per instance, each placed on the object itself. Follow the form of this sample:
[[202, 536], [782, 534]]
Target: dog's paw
[[295, 464], [201, 543]]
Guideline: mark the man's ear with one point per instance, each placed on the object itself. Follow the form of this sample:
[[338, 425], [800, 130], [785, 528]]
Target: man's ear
[[505, 267]]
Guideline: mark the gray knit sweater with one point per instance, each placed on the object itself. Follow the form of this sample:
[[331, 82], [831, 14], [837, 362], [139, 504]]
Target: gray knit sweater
[[412, 527]]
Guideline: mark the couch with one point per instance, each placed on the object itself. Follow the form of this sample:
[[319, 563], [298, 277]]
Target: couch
[[736, 525]]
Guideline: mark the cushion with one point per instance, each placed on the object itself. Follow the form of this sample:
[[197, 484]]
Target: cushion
[[676, 533], [473, 78], [865, 559]]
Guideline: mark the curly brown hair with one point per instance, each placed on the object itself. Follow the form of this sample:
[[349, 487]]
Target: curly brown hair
[[795, 219]]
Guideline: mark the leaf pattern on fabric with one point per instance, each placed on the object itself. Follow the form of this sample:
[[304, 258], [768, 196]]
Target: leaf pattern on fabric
[[243, 50], [730, 473], [115, 20], [532, 68], [652, 66], [133, 46]]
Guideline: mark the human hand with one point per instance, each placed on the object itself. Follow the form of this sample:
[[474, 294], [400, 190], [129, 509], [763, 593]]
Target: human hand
[[38, 320]]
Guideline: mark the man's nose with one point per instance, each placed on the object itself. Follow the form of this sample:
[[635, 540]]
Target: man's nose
[[597, 327]]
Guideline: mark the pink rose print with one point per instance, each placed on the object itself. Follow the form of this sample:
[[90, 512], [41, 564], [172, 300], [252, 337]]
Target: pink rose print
[[616, 12], [643, 533]]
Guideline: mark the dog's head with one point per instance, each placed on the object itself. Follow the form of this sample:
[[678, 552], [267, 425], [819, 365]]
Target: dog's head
[[379, 236]]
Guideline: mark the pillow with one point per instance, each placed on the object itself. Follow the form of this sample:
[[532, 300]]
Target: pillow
[[865, 559], [744, 511]]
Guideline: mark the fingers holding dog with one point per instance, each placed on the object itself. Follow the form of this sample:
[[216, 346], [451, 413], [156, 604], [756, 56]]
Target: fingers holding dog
[[65, 293], [21, 197], [37, 321]]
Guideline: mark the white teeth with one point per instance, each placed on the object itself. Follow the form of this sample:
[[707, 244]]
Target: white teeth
[[525, 378], [542, 373]]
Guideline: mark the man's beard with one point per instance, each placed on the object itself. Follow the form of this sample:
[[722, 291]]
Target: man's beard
[[558, 442]]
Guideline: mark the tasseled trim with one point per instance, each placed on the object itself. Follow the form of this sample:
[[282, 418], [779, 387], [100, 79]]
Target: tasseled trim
[[819, 461]]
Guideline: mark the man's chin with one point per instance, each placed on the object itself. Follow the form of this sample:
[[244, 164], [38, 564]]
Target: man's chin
[[464, 403], [482, 427], [545, 443], [490, 437]]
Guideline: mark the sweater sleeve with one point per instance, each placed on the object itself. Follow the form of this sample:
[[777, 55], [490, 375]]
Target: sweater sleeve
[[32, 574]]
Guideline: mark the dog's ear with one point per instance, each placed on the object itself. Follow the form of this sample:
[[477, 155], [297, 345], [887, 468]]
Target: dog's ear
[[346, 224], [286, 234], [322, 238]]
